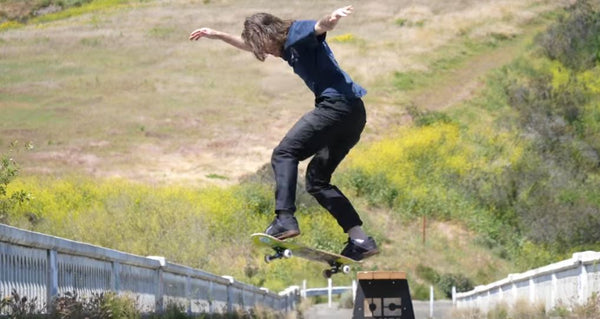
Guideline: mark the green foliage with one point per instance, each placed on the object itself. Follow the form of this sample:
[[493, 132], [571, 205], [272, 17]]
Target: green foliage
[[98, 305], [549, 106], [149, 220], [172, 311], [500, 311], [551, 185], [575, 39], [9, 170], [419, 291], [519, 164], [109, 305], [20, 307], [405, 80], [427, 273], [447, 281], [413, 171], [425, 118]]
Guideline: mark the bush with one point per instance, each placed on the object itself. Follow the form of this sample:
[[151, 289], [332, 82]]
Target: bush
[[427, 273], [20, 307], [99, 305], [108, 305], [575, 40], [9, 170], [419, 291], [461, 282]]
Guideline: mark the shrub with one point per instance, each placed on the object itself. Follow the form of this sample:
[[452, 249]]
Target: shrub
[[575, 40], [427, 273], [20, 307], [9, 170], [98, 305], [461, 282]]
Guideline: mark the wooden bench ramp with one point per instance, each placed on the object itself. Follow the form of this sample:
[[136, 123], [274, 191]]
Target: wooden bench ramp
[[383, 295]]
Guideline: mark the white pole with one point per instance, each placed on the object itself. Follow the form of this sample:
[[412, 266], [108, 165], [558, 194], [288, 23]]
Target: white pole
[[354, 287], [329, 290], [454, 295], [303, 289], [430, 301]]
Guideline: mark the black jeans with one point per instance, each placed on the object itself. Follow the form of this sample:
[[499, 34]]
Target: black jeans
[[328, 132]]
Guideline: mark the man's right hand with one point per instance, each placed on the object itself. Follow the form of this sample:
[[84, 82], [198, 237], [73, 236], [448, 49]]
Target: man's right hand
[[203, 32]]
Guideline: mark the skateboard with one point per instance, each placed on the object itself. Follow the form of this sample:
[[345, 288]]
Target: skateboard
[[286, 249]]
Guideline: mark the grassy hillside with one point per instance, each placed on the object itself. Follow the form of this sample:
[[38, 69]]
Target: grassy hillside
[[131, 125]]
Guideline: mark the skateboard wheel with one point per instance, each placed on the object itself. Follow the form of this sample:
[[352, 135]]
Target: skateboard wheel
[[268, 259], [287, 253], [327, 273], [346, 269]]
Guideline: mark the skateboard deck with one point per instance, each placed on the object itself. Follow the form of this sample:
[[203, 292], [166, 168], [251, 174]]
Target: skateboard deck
[[287, 249]]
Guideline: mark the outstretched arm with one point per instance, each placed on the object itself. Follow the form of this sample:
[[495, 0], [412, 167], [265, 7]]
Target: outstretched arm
[[235, 41], [329, 21]]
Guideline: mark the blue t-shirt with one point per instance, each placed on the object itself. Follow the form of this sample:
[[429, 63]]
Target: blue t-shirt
[[312, 59]]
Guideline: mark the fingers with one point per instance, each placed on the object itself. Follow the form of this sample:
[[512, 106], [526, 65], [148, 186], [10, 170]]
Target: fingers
[[202, 32], [197, 34], [347, 10], [342, 12]]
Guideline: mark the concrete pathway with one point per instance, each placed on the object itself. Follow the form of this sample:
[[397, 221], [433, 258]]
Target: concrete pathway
[[442, 310]]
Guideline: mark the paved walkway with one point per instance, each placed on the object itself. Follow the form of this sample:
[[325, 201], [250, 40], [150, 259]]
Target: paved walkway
[[441, 310]]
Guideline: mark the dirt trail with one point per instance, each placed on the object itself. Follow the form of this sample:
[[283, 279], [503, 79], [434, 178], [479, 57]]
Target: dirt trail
[[462, 83]]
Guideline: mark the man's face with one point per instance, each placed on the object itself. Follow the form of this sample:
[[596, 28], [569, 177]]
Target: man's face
[[273, 49]]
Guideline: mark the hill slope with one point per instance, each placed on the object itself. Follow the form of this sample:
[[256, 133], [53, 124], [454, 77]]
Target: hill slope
[[121, 92]]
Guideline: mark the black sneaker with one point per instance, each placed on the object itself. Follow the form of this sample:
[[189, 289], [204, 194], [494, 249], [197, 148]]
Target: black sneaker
[[283, 227], [359, 251]]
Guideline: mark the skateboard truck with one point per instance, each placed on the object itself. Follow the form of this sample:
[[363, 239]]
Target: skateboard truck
[[327, 273], [336, 268], [279, 253]]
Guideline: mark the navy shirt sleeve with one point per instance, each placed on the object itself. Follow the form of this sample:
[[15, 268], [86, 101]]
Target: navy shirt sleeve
[[303, 33]]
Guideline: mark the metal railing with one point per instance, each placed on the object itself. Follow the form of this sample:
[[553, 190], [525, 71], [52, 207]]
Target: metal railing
[[566, 283], [45, 267]]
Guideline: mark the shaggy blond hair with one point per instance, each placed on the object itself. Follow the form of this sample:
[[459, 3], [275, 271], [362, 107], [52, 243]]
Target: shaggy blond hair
[[262, 30]]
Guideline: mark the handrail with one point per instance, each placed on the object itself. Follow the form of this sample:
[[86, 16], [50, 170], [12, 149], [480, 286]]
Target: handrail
[[43, 267], [568, 282]]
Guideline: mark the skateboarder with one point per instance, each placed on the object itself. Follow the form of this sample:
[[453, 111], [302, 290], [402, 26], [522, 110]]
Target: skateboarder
[[328, 131]]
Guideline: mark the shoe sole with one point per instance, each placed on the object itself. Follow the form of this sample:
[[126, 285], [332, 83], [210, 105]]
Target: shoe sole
[[366, 255], [287, 234], [370, 253]]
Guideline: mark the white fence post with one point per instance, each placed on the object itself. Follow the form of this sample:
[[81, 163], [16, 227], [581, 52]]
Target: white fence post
[[230, 293], [303, 293], [430, 301], [159, 284], [354, 287], [329, 290], [188, 293], [52, 284], [531, 290], [583, 284], [554, 291], [454, 296], [115, 277]]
